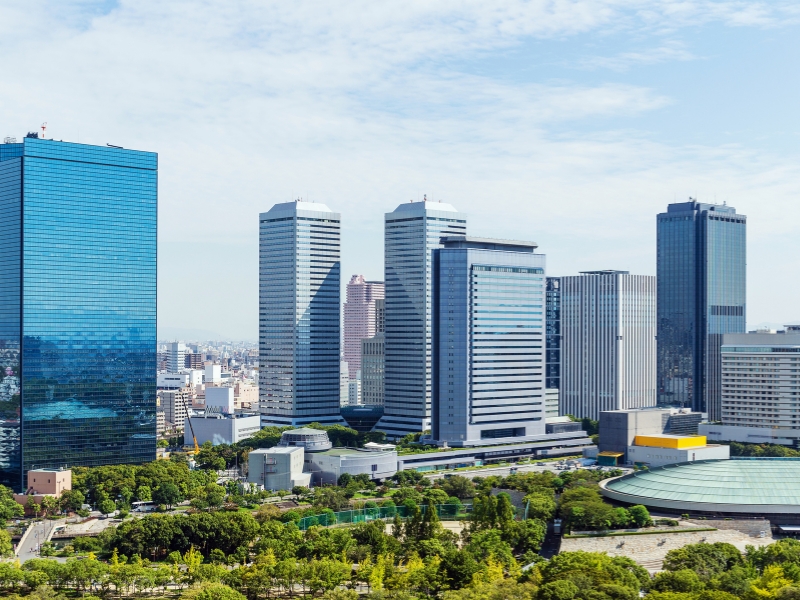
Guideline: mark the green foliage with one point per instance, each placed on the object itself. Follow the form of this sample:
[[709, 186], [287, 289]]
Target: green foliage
[[168, 494], [211, 591], [458, 486], [707, 560], [763, 450], [9, 508]]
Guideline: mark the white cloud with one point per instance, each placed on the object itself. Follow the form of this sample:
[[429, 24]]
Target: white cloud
[[365, 105]]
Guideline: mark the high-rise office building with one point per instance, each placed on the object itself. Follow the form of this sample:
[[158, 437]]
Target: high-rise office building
[[761, 380], [608, 342], [77, 306], [553, 342], [299, 308], [360, 318], [373, 357], [176, 357], [373, 360], [412, 232], [701, 296], [489, 341]]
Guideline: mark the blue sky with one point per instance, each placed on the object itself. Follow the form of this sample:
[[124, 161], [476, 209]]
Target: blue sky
[[571, 123]]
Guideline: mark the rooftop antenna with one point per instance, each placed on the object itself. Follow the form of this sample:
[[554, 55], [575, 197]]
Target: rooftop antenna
[[43, 127]]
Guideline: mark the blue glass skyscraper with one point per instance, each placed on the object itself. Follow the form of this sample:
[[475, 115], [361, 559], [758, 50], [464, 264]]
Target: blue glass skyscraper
[[299, 314], [702, 260], [78, 228]]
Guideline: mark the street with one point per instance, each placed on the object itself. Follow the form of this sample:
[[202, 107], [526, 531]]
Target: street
[[29, 546]]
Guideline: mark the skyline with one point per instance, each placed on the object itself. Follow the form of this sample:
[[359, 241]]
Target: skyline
[[572, 125]]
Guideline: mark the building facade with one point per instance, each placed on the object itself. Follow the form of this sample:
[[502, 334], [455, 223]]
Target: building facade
[[489, 341], [176, 357], [702, 288], [608, 342], [77, 306], [299, 308], [553, 335], [412, 232], [174, 403], [360, 318], [761, 380], [373, 356]]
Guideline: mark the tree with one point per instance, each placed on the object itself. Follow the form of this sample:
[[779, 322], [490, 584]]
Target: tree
[[435, 495], [211, 591], [458, 486], [167, 494], [541, 504], [50, 504], [72, 500], [33, 506], [640, 516], [683, 580], [9, 508], [107, 506], [558, 590], [707, 560], [301, 490]]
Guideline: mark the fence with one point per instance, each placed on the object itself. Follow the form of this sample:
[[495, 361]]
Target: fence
[[446, 512]]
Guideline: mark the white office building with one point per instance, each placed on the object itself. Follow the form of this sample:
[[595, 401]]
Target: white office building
[[176, 356], [760, 388], [489, 342], [608, 342], [172, 381], [412, 232], [299, 309]]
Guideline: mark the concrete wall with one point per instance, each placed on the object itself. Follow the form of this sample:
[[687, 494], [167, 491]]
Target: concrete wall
[[749, 435], [221, 430], [327, 468], [658, 457], [221, 398], [278, 468], [49, 482], [618, 428]]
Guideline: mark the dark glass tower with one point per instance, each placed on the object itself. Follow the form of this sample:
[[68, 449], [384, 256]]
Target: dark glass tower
[[701, 296], [553, 333], [77, 306]]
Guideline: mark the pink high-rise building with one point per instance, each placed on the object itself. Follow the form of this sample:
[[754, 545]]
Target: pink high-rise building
[[360, 318]]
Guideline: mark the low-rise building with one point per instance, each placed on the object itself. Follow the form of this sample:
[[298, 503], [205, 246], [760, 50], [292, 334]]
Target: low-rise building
[[278, 468], [326, 467], [220, 428], [618, 428], [45, 482], [172, 381], [663, 449]]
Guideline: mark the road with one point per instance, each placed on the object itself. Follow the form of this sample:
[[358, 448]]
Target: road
[[29, 548]]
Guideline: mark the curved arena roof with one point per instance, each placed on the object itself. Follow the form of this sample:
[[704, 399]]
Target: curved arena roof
[[746, 485]]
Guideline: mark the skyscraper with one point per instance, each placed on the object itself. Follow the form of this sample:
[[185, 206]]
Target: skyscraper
[[359, 318], [489, 341], [77, 306], [701, 296], [608, 342], [299, 308], [412, 232], [373, 360], [176, 357], [553, 331]]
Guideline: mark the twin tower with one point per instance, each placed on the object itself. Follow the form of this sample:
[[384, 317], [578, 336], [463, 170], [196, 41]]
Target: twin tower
[[464, 332]]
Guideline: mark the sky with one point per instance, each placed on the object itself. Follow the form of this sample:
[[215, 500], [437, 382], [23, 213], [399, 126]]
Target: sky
[[571, 123]]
